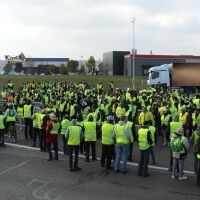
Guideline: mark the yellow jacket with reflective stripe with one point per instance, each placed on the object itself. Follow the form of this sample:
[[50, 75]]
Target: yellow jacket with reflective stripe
[[90, 131], [182, 117], [120, 112], [107, 131], [74, 135], [165, 119], [1, 122], [120, 134], [27, 111], [55, 128], [142, 139], [65, 125], [72, 110], [36, 121], [152, 130], [20, 112], [130, 124]]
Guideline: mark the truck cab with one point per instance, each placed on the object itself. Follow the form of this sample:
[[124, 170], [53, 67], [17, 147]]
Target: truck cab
[[159, 75]]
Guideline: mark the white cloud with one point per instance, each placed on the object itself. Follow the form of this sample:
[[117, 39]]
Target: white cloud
[[65, 28]]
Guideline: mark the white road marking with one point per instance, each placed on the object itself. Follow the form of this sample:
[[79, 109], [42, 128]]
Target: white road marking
[[83, 156], [17, 166]]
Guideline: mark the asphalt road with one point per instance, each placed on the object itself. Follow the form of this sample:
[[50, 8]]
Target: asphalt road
[[26, 174]]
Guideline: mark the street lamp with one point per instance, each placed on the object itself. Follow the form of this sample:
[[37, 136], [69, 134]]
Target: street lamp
[[133, 55]]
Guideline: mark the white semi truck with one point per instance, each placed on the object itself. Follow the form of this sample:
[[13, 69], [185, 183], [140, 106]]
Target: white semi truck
[[175, 75]]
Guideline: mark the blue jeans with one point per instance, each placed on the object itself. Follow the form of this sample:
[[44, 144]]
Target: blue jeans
[[144, 162], [121, 151]]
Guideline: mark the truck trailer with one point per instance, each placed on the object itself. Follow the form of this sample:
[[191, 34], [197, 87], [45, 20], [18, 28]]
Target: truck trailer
[[183, 75]]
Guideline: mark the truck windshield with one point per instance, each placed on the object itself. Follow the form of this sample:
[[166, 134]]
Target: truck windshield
[[154, 75]]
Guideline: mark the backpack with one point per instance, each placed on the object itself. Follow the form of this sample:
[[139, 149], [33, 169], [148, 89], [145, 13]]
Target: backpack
[[197, 146], [176, 144], [11, 113]]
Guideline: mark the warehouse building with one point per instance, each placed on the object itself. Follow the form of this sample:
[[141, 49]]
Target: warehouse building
[[120, 62]]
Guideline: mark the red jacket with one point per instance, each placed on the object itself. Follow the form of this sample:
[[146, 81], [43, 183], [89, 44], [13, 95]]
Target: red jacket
[[51, 137]]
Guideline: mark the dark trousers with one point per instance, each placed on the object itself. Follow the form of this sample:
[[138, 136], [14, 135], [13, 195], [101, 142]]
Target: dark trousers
[[28, 126], [74, 148], [144, 162], [55, 144], [2, 132], [82, 146], [43, 143], [130, 154], [198, 173], [107, 154], [93, 146], [65, 146], [36, 132]]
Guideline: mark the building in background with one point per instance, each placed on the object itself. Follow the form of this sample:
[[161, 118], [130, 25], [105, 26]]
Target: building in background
[[113, 62], [144, 62], [120, 62]]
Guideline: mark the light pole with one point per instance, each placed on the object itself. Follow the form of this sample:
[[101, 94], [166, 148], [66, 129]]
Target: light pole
[[133, 55]]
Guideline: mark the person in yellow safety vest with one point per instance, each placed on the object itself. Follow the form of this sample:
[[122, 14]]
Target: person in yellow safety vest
[[193, 140], [179, 157], [111, 86], [45, 100], [165, 125], [131, 124], [195, 118], [198, 172], [43, 119], [36, 124], [105, 107], [80, 122], [145, 142], [52, 130], [120, 111], [73, 109], [85, 109], [107, 142], [122, 134], [2, 129], [20, 114], [184, 118], [90, 137], [61, 108], [174, 125], [97, 118], [64, 126], [10, 116], [132, 110], [74, 135], [145, 116], [154, 140], [196, 101], [28, 112], [173, 110]]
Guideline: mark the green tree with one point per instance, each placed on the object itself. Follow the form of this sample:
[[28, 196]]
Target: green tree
[[18, 67], [51, 69], [90, 63], [72, 66], [62, 69], [8, 67], [82, 69]]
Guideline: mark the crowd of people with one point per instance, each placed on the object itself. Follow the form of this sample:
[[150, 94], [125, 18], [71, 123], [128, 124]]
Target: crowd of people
[[83, 114]]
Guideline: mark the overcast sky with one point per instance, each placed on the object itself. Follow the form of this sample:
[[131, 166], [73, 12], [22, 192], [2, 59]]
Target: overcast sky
[[75, 28]]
